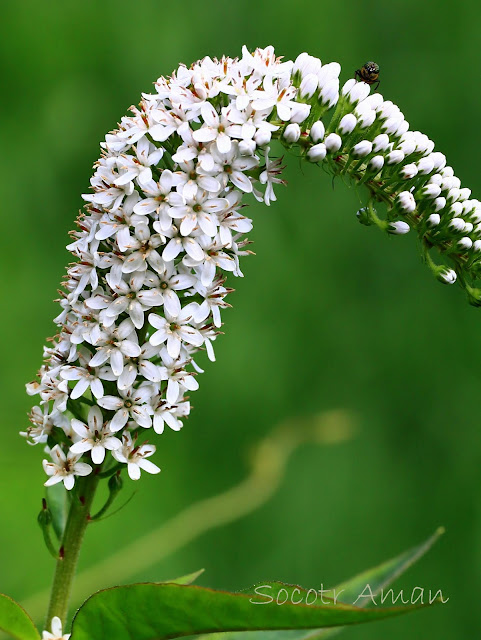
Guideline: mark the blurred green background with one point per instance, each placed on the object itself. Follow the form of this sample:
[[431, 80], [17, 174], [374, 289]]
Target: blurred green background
[[329, 315]]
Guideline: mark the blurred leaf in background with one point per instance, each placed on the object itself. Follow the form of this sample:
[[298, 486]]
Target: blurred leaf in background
[[330, 314]]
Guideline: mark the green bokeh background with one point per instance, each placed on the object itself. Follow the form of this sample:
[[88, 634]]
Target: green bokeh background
[[329, 315]]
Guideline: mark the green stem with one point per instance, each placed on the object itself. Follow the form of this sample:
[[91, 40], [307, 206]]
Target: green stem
[[77, 521]]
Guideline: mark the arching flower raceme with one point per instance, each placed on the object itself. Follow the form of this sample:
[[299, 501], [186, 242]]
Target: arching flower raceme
[[164, 224]]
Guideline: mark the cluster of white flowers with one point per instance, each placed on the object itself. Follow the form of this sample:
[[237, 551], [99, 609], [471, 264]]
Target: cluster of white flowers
[[164, 222]]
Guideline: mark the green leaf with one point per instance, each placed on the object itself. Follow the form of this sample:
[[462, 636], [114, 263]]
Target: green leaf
[[160, 611], [57, 502], [15, 621], [377, 578]]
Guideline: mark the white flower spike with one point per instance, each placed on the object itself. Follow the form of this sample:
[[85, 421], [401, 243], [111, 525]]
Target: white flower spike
[[164, 224]]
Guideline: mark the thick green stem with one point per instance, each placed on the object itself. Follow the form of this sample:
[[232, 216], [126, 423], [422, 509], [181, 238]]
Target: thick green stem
[[77, 521]]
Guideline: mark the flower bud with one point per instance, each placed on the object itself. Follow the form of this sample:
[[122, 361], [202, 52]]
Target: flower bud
[[453, 194], [306, 64], [431, 191], [439, 203], [437, 178], [247, 147], [447, 172], [395, 157], [329, 94], [317, 131], [347, 124], [346, 88], [406, 201], [476, 214], [359, 92], [375, 100], [457, 224], [465, 243], [456, 208], [364, 216], [408, 146], [388, 109], [292, 133], [464, 193], [446, 276], [308, 85], [333, 142], [262, 137], [425, 166], [317, 152], [376, 163], [439, 160], [329, 71], [409, 171], [434, 219], [477, 245], [362, 148], [366, 118], [468, 227], [381, 142], [399, 227], [299, 112], [468, 205], [456, 182]]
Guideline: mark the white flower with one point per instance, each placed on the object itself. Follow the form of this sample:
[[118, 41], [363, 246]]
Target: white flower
[[216, 127], [132, 299], [96, 437], [199, 212], [175, 329], [56, 631], [114, 345], [64, 468], [270, 177], [131, 403], [135, 457]]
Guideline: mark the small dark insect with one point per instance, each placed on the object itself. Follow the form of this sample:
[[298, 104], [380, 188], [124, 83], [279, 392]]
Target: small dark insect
[[369, 73]]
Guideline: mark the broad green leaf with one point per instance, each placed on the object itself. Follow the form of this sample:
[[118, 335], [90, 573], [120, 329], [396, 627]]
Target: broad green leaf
[[15, 621], [377, 578], [161, 611], [57, 502]]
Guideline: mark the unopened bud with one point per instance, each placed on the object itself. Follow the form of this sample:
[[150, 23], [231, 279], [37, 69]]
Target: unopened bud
[[299, 112], [317, 131], [347, 124], [376, 163], [446, 276], [292, 133], [399, 227], [406, 201], [362, 148], [434, 219], [381, 142], [465, 243], [395, 157], [308, 85], [317, 152], [333, 142]]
